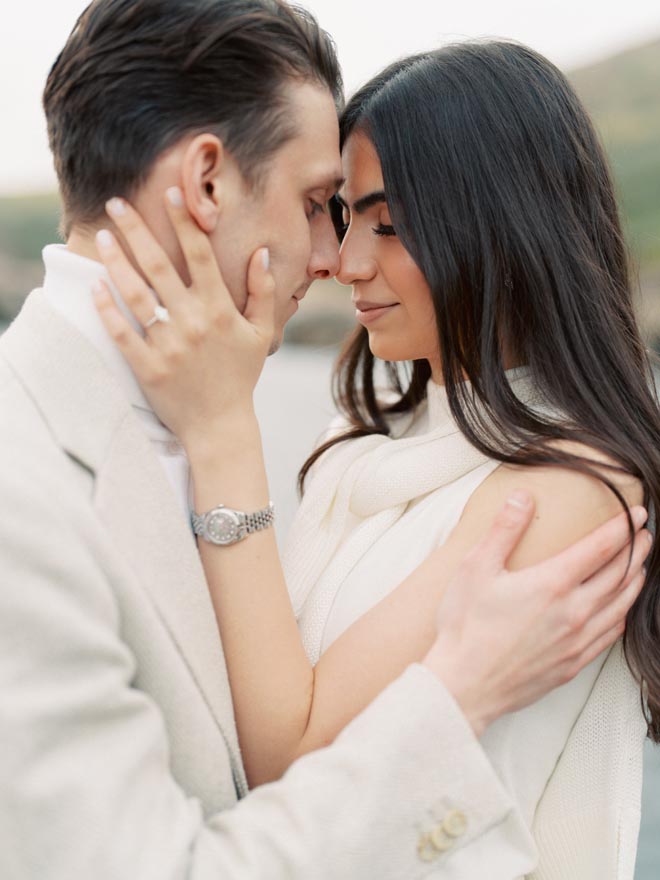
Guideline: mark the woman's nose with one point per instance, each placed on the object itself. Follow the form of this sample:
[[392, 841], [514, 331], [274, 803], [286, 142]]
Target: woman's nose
[[355, 264]]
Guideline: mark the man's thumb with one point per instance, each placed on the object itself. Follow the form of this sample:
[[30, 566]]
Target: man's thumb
[[510, 524]]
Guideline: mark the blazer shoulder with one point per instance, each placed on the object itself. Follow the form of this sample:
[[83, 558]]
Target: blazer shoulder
[[28, 448]]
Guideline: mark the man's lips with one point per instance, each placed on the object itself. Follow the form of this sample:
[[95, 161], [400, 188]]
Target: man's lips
[[300, 293], [367, 311]]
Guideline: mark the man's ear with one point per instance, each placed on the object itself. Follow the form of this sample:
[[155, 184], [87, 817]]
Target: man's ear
[[202, 172]]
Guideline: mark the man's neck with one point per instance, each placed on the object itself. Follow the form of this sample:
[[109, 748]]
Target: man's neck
[[83, 244], [82, 241]]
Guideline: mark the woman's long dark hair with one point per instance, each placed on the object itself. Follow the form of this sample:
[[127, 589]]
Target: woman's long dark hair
[[499, 188]]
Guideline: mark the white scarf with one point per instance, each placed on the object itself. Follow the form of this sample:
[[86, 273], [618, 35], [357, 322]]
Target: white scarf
[[365, 485]]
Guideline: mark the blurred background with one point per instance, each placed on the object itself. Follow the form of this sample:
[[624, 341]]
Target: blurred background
[[611, 52]]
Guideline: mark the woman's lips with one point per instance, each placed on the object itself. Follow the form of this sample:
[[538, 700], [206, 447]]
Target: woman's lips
[[367, 313]]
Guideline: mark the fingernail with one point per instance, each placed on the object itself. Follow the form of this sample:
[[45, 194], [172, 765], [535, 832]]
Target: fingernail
[[175, 196], [98, 289], [104, 239], [639, 516], [519, 499], [116, 207], [265, 258]]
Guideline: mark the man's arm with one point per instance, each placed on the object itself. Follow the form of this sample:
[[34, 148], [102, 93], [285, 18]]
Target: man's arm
[[85, 784]]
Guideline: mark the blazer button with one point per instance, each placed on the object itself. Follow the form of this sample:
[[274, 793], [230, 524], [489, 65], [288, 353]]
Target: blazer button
[[440, 840], [455, 823], [425, 848]]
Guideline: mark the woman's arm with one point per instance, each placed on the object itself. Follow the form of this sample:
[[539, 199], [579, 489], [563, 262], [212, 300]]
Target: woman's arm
[[284, 707]]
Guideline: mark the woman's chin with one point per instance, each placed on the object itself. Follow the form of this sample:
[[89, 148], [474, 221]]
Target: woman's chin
[[389, 350]]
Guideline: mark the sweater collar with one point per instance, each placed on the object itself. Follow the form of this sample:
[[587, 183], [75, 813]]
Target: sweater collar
[[438, 410]]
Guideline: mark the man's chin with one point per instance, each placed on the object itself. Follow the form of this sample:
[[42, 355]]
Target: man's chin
[[275, 345], [279, 333]]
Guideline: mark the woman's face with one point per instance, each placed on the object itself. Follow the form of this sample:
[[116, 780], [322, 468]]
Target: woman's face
[[391, 296]]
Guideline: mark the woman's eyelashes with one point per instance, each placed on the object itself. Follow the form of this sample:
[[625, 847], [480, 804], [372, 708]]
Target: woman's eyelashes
[[342, 220], [381, 229]]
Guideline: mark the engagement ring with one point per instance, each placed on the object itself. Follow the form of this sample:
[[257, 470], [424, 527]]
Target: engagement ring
[[161, 316]]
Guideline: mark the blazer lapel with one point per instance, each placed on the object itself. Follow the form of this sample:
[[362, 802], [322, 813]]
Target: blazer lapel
[[94, 423]]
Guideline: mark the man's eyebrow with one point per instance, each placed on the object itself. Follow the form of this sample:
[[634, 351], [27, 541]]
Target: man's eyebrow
[[330, 183], [363, 204]]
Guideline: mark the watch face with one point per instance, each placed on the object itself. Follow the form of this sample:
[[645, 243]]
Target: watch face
[[223, 527]]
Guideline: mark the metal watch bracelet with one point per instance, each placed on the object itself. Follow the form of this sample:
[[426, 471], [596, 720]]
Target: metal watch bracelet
[[224, 525]]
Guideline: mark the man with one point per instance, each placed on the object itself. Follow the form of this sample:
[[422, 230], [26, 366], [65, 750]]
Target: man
[[120, 756]]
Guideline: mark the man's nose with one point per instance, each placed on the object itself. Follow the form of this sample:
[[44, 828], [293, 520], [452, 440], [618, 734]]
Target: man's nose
[[324, 259]]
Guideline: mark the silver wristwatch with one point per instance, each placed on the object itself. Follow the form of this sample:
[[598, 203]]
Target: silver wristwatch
[[224, 526]]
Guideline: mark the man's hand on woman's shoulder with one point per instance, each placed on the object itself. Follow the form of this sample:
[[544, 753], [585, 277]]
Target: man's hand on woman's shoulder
[[506, 638]]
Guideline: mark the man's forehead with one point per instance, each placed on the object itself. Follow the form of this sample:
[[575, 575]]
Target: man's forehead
[[304, 177], [314, 162], [314, 150]]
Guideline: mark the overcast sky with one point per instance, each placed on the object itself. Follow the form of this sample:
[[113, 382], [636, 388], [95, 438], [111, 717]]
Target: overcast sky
[[369, 34]]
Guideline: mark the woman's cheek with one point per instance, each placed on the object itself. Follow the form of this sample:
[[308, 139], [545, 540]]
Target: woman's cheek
[[419, 322]]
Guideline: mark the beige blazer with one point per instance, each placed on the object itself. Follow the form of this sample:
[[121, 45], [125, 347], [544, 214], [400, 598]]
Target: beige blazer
[[119, 756]]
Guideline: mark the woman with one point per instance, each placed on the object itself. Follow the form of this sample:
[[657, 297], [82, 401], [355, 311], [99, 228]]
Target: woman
[[482, 241]]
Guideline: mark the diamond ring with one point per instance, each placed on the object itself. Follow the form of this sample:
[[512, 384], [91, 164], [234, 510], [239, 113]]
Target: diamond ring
[[161, 316]]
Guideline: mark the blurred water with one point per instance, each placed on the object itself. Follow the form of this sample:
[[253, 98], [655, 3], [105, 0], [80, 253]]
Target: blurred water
[[294, 405], [648, 856]]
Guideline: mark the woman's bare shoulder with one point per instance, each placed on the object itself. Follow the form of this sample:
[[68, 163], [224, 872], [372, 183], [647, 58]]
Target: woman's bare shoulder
[[569, 504]]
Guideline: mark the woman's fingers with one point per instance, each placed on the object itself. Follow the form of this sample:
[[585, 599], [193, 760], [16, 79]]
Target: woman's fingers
[[195, 311], [149, 255], [260, 307], [133, 347], [202, 265], [134, 291]]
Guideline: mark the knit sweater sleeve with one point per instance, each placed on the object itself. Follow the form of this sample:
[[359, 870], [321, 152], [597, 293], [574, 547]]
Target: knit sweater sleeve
[[587, 822]]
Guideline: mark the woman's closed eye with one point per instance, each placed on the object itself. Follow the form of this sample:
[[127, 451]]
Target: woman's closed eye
[[383, 229]]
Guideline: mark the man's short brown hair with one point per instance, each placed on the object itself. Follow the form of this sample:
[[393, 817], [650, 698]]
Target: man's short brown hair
[[135, 76]]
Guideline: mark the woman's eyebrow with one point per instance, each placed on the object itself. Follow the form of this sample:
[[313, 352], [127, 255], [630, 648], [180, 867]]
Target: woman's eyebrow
[[365, 202]]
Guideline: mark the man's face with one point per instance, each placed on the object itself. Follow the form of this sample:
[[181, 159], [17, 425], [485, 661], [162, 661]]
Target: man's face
[[288, 213]]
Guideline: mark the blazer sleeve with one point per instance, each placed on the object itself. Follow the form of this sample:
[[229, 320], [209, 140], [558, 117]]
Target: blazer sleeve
[[85, 784]]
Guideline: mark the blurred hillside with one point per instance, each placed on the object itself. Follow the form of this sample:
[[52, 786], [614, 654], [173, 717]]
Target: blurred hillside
[[27, 223], [623, 95]]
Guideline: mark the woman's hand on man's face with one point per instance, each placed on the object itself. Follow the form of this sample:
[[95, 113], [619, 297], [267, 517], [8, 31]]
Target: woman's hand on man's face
[[201, 363]]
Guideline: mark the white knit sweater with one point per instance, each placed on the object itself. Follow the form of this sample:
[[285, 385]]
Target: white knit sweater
[[373, 510]]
